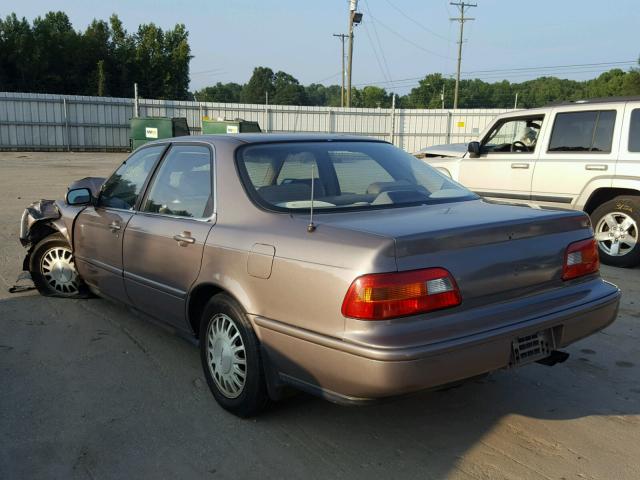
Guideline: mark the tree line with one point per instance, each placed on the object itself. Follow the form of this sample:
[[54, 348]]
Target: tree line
[[50, 56], [282, 88]]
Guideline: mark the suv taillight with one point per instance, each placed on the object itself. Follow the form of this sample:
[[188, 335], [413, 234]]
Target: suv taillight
[[581, 258], [381, 296]]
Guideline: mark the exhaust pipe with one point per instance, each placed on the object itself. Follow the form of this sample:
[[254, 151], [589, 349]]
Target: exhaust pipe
[[555, 357]]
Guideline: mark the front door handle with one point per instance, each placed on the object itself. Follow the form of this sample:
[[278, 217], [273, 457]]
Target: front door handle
[[114, 227], [520, 165], [184, 239]]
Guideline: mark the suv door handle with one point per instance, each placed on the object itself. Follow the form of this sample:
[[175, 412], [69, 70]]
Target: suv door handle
[[520, 165], [184, 239], [596, 166], [114, 227]]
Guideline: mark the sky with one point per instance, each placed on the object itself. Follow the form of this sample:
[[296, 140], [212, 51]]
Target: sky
[[398, 42]]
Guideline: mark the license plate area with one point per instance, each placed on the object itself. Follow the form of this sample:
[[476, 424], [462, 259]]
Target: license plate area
[[531, 348]]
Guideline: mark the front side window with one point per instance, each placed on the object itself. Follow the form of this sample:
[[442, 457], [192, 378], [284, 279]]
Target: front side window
[[634, 131], [182, 185], [344, 174], [583, 131], [121, 190], [516, 135]]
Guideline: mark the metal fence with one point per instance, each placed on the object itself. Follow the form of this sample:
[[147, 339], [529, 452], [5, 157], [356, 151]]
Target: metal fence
[[31, 121]]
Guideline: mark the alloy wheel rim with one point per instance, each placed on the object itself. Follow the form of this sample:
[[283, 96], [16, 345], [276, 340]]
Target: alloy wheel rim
[[59, 270], [226, 356], [617, 234]]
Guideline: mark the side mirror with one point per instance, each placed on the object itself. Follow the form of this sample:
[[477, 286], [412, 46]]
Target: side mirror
[[474, 149], [79, 196]]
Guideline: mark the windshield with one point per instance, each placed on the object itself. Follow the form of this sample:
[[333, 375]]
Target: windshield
[[344, 175]]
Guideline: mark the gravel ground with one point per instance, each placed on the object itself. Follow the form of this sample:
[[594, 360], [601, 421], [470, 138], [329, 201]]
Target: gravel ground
[[89, 390]]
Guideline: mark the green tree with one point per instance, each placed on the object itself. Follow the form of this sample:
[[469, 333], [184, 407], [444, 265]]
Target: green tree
[[220, 92], [287, 90], [261, 82]]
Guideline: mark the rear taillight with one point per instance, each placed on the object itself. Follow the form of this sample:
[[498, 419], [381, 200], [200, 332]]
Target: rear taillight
[[581, 258], [381, 296]]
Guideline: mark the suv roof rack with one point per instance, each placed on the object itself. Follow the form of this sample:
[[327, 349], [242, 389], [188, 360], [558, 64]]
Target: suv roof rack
[[588, 101]]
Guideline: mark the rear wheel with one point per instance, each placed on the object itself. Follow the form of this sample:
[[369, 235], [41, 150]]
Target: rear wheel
[[53, 269], [230, 356], [616, 226]]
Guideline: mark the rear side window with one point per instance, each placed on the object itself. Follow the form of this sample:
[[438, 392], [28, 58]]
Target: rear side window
[[182, 186], [583, 131], [634, 131]]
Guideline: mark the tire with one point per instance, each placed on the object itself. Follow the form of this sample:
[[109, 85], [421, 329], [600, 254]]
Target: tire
[[616, 225], [236, 380], [53, 270]]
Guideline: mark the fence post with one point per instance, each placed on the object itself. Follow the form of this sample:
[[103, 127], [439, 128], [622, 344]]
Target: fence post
[[329, 115], [266, 118], [66, 123], [393, 119], [449, 119]]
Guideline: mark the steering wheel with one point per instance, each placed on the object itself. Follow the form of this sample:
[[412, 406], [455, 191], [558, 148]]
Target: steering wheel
[[521, 145]]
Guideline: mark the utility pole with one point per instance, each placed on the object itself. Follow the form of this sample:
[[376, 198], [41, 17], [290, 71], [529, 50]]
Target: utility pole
[[442, 96], [341, 36], [354, 19], [461, 6], [515, 104]]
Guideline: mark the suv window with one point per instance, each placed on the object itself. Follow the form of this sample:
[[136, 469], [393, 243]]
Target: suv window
[[583, 131], [514, 135], [182, 185], [124, 186], [634, 131]]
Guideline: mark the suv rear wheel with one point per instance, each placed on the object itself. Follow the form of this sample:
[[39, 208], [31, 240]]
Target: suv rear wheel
[[616, 226]]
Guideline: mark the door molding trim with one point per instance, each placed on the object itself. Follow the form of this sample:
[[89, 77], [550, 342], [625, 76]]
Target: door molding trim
[[175, 292]]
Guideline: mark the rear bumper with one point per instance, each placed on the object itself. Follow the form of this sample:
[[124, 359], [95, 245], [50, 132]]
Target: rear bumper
[[347, 372]]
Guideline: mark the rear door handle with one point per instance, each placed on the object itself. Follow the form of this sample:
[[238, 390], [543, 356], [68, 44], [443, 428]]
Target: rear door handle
[[184, 239], [520, 165], [114, 227]]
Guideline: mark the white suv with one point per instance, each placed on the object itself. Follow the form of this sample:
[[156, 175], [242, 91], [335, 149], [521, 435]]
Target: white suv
[[582, 155]]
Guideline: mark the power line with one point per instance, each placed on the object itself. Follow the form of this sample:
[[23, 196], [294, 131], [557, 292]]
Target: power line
[[442, 37], [516, 71], [375, 31], [411, 42]]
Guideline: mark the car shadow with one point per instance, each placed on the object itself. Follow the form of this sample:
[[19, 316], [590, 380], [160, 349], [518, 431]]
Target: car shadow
[[128, 396]]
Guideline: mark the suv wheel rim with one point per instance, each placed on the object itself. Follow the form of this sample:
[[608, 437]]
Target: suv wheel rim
[[59, 271], [617, 234], [226, 356]]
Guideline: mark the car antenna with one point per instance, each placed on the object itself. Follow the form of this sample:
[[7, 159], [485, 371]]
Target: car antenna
[[311, 227]]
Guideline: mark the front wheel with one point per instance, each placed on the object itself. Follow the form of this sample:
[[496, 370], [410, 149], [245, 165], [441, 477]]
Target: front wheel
[[231, 359], [615, 225], [53, 269]]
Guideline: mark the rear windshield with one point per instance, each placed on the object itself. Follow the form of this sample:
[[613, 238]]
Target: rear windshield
[[344, 175]]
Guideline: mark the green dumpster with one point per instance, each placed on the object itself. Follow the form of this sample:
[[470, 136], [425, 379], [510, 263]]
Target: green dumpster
[[146, 129], [229, 126]]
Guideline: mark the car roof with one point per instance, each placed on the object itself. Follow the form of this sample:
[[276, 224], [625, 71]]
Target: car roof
[[240, 138]]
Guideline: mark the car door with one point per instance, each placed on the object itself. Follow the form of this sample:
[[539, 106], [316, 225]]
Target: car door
[[164, 240], [505, 166], [580, 149], [98, 230]]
